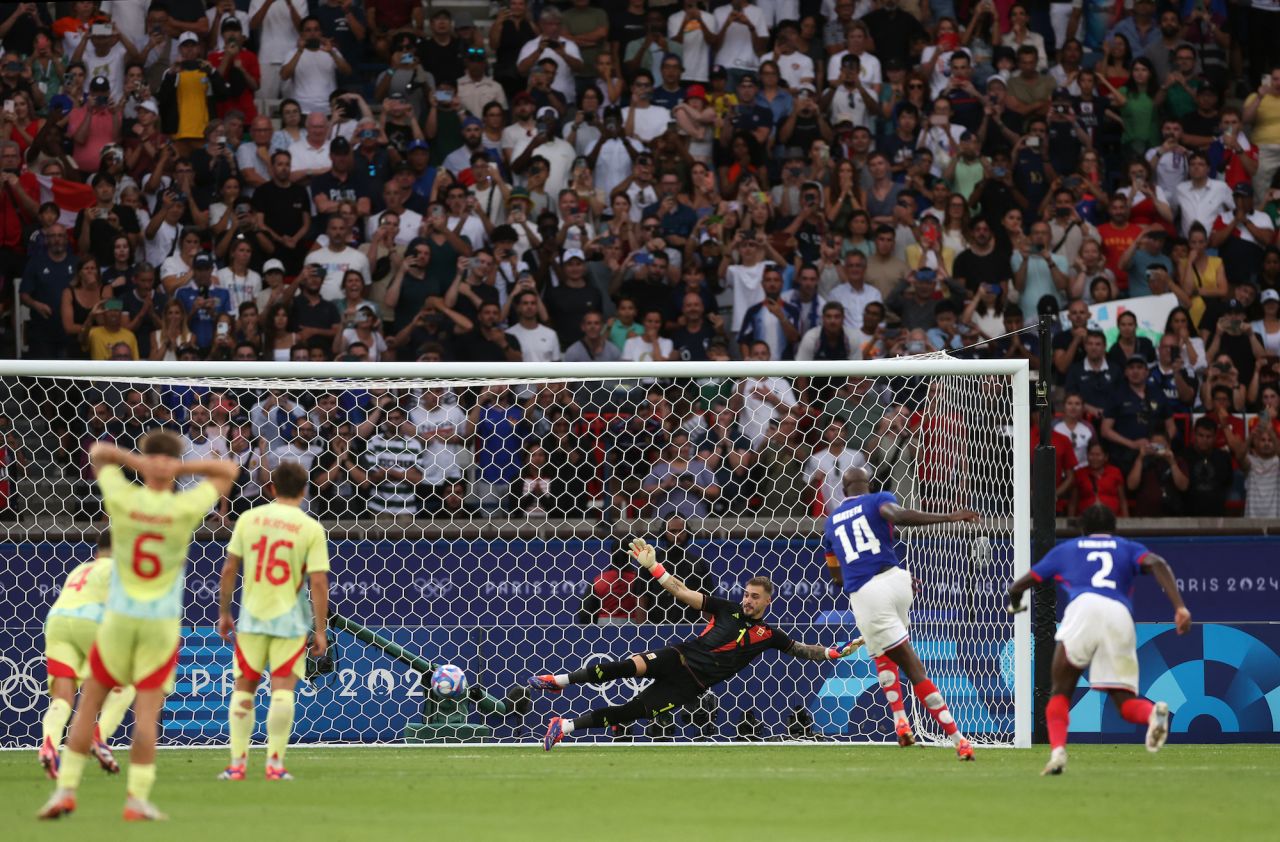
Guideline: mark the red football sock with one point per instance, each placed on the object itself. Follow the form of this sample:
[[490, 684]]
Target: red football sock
[[929, 696], [1057, 717], [1137, 711], [891, 683]]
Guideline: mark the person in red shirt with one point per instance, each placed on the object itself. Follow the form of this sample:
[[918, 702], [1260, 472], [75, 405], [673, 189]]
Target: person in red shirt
[[1064, 457], [1118, 236], [1098, 481], [19, 204], [616, 597], [238, 65]]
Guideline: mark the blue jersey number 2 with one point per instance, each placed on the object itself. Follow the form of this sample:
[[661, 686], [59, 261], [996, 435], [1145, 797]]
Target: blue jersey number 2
[[1100, 579], [864, 540]]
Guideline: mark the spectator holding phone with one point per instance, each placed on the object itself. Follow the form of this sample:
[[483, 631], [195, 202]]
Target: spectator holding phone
[[314, 68]]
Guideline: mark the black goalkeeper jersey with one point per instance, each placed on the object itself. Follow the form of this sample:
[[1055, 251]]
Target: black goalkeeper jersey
[[730, 642]]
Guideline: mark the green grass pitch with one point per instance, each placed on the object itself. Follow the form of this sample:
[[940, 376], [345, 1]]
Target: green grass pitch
[[676, 793]]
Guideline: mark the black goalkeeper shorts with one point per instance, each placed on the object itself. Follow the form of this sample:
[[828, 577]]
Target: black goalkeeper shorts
[[673, 686]]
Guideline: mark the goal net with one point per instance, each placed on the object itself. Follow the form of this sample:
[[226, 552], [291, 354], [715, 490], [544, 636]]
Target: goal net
[[477, 516]]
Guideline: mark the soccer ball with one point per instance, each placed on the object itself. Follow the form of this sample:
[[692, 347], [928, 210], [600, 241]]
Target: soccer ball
[[449, 682]]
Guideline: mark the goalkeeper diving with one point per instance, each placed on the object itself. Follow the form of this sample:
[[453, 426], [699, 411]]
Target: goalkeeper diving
[[734, 636]]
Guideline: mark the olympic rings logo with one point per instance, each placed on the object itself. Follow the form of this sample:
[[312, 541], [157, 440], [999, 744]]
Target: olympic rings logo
[[21, 683], [632, 685]]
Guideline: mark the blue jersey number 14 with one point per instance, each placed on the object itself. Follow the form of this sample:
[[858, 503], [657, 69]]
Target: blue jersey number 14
[[864, 539]]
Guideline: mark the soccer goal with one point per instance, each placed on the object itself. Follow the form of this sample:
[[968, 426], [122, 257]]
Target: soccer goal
[[477, 515]]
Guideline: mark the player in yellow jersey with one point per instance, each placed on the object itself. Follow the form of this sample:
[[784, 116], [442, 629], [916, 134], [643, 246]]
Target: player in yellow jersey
[[69, 631], [283, 549], [138, 638]]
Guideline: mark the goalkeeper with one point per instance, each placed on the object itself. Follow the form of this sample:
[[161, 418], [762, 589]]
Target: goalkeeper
[[735, 634]]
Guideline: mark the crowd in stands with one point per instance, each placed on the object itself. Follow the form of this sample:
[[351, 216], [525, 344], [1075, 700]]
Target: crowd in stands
[[629, 180]]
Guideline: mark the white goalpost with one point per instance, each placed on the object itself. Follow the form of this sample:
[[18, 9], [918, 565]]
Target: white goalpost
[[476, 514]]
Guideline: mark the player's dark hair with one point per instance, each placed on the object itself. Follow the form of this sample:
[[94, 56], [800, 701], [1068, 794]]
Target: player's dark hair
[[104, 541], [761, 582], [161, 443], [1098, 519], [290, 479]]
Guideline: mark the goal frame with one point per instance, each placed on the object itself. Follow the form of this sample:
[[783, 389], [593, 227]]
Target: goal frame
[[391, 372]]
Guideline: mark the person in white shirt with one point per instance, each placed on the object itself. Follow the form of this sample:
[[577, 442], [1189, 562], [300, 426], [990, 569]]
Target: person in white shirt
[[1200, 198], [764, 399], [745, 277], [744, 34], [220, 11], [795, 68], [1074, 426], [314, 69], [463, 221], [538, 343], [1169, 160], [649, 346], [237, 278], [338, 258], [517, 136], [693, 29], [1020, 35], [548, 145], [201, 441], [642, 119], [856, 43], [277, 23], [550, 44], [442, 426], [105, 55], [820, 342], [310, 156], [855, 293], [394, 196], [824, 468]]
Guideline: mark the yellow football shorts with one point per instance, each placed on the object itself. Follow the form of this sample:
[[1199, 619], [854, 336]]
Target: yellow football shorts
[[133, 650], [254, 652], [67, 641]]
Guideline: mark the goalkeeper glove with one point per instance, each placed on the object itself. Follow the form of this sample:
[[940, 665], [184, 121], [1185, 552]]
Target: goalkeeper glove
[[835, 654], [647, 557]]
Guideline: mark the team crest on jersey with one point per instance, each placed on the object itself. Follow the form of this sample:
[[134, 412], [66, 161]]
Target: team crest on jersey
[[759, 633]]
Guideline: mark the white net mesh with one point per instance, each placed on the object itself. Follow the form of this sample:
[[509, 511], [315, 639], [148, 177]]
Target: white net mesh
[[498, 550]]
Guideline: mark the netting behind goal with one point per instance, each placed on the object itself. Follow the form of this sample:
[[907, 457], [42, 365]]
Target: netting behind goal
[[479, 521]]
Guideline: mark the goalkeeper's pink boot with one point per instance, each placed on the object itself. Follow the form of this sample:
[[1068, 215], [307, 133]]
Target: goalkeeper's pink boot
[[906, 739], [964, 750], [555, 733], [545, 683]]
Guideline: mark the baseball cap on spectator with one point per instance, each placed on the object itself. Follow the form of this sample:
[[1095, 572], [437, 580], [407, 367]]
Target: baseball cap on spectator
[[339, 146], [13, 64], [397, 96], [415, 145], [188, 38], [60, 102], [203, 260], [573, 254], [1234, 306], [750, 78], [548, 111], [696, 92], [1269, 295], [99, 83], [1135, 359], [1001, 77], [230, 22], [518, 193], [471, 120], [844, 126], [894, 63], [1244, 188], [113, 304], [366, 309], [718, 72], [523, 96], [273, 265], [150, 105]]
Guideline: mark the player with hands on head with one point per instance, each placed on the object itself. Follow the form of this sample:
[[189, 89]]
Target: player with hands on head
[[734, 636], [283, 547], [140, 633], [1098, 572], [858, 540]]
